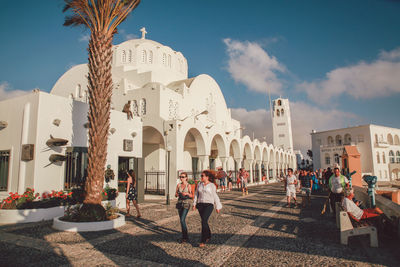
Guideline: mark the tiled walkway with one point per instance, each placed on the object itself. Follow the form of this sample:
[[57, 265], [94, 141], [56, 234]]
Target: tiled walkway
[[254, 230]]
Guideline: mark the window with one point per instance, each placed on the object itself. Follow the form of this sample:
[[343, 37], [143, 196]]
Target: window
[[376, 138], [278, 112], [378, 159], [391, 156], [282, 112], [143, 106], [338, 140], [383, 158], [337, 158], [164, 59], [390, 139], [169, 61], [279, 102], [327, 159], [4, 166], [281, 124], [144, 56], [398, 157], [76, 167], [123, 56], [281, 135], [130, 56], [330, 140], [396, 140], [347, 139], [151, 57]]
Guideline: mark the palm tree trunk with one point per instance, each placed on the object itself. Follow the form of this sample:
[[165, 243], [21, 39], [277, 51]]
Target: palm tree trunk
[[100, 91]]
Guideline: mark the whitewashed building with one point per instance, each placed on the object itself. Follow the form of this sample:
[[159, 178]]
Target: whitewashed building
[[179, 124], [379, 147]]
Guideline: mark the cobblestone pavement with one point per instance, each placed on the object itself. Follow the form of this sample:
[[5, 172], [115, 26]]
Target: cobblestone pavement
[[252, 230]]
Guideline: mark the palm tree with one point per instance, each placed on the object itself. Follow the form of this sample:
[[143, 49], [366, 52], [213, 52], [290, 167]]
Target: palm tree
[[101, 17]]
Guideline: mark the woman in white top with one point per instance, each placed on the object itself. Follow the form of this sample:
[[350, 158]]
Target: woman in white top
[[204, 200]]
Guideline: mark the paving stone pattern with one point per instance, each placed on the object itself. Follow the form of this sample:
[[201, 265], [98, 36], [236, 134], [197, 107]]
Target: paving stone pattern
[[252, 230]]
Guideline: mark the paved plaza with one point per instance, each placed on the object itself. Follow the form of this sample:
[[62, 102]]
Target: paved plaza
[[252, 230]]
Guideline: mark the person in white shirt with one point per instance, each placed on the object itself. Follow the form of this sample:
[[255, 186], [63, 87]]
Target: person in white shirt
[[291, 182], [204, 200], [352, 208], [337, 183]]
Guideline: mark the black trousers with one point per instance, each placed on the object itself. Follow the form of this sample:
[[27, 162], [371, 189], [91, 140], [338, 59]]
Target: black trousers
[[335, 198], [205, 210]]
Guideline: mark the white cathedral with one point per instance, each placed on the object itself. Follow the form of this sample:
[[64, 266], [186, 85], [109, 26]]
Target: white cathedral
[[179, 124]]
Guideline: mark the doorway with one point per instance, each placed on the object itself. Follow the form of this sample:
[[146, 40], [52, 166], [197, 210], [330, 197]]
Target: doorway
[[124, 165]]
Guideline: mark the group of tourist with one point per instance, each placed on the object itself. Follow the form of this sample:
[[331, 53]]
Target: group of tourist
[[204, 197], [338, 187]]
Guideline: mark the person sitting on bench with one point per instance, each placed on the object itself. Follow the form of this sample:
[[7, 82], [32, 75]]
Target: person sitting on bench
[[356, 213]]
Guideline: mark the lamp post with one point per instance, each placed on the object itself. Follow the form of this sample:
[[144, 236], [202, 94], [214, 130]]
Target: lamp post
[[169, 148]]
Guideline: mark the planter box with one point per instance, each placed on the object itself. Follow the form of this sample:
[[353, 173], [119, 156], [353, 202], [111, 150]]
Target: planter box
[[88, 226], [30, 215]]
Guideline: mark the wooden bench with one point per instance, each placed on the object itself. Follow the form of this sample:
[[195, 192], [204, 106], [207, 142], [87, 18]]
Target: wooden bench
[[349, 228]]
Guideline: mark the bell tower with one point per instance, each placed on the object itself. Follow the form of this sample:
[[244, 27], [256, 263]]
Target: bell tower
[[282, 124]]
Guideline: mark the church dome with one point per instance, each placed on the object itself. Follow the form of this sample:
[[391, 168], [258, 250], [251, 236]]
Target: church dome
[[146, 55]]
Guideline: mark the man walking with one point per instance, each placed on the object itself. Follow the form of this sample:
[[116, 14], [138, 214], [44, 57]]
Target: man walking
[[337, 184], [306, 185], [291, 182]]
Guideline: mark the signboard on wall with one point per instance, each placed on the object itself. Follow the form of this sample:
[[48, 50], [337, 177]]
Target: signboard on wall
[[27, 152], [128, 145]]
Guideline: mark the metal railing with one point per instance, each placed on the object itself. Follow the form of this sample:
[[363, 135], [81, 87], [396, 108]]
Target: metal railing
[[155, 182]]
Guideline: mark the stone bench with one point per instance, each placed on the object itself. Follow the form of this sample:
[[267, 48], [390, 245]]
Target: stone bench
[[347, 228]]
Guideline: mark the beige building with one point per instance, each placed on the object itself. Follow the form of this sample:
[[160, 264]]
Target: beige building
[[379, 147]]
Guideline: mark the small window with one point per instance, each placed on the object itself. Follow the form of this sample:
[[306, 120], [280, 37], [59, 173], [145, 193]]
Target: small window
[[376, 138], [169, 61], [282, 112], [123, 56], [279, 103], [278, 113], [398, 157], [151, 57], [144, 56], [390, 139], [4, 169], [327, 159], [337, 159], [164, 59], [75, 167], [281, 135], [143, 106], [330, 140], [391, 156], [338, 140], [383, 158], [130, 56], [378, 159]]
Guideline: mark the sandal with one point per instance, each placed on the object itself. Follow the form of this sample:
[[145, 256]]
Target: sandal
[[202, 245]]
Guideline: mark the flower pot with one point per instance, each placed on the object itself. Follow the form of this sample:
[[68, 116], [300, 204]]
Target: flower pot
[[30, 215], [88, 226]]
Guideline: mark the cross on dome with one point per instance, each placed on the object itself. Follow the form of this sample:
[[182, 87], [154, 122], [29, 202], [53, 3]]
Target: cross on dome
[[143, 30]]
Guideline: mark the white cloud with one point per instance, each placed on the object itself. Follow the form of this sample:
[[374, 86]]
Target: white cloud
[[252, 66], [6, 93], [84, 38], [364, 80], [304, 118], [127, 36]]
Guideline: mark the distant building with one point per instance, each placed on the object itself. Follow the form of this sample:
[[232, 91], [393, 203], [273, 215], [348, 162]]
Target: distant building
[[379, 147], [299, 157], [282, 125]]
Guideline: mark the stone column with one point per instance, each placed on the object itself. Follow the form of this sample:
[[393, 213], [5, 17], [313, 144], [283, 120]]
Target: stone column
[[204, 162], [250, 161], [224, 161], [259, 171]]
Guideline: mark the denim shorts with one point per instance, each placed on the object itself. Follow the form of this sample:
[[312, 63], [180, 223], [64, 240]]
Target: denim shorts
[[222, 182], [306, 191]]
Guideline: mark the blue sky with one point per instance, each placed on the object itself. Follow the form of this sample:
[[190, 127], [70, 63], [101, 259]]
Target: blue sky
[[337, 61]]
